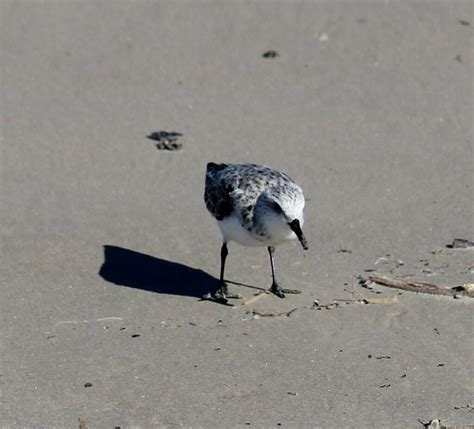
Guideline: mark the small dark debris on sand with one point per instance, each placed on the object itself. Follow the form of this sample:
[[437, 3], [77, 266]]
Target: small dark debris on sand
[[136, 335], [344, 251], [464, 22], [166, 140], [88, 385], [270, 54], [338, 303], [258, 315], [317, 306], [460, 243], [171, 146], [467, 407]]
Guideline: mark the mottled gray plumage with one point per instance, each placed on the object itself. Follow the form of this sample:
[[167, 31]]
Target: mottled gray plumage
[[254, 205], [236, 187]]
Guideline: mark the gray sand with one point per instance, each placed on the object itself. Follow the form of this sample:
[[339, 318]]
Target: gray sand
[[368, 106]]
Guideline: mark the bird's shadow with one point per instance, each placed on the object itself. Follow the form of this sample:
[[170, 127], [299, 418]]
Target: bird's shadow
[[136, 270]]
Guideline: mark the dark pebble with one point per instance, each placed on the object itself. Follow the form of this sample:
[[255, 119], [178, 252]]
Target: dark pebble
[[165, 136], [270, 54], [166, 140]]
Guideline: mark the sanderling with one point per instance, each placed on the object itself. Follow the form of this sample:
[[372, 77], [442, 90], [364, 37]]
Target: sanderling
[[254, 205]]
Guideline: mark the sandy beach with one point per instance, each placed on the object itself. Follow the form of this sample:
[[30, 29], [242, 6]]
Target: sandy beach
[[107, 246]]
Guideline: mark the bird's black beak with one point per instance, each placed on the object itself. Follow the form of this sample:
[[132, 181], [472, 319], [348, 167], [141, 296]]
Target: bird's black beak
[[296, 228]]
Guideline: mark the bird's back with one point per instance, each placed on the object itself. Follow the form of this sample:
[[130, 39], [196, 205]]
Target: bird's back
[[238, 185]]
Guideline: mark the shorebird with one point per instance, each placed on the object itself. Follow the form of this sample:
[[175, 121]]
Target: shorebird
[[254, 206]]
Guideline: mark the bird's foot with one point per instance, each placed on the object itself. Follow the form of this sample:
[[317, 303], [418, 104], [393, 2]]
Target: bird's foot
[[221, 295], [280, 292]]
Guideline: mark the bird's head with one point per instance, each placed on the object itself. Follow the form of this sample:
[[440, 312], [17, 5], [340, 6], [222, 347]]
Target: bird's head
[[281, 210]]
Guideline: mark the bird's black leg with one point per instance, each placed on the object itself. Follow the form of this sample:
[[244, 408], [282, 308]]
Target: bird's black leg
[[224, 253], [276, 288], [221, 294]]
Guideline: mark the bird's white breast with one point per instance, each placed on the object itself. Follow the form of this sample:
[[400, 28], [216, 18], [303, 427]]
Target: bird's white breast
[[232, 230]]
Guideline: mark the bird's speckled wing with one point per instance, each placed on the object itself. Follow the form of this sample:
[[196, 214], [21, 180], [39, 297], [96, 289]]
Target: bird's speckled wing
[[237, 186]]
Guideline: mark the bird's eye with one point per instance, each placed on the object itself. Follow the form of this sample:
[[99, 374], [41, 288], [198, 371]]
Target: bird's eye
[[276, 207]]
